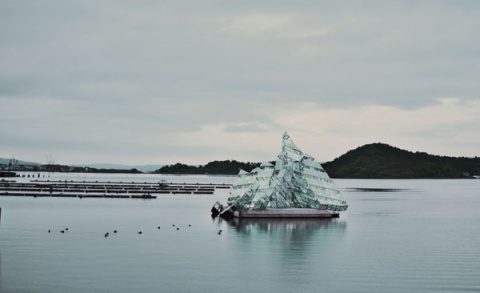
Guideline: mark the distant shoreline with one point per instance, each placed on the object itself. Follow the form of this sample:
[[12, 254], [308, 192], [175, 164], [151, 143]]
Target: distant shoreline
[[371, 161], [40, 174]]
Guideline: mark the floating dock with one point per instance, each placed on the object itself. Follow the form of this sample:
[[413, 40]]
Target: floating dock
[[286, 213], [104, 189], [231, 212]]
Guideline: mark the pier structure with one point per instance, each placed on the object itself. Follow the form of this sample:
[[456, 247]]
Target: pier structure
[[104, 189]]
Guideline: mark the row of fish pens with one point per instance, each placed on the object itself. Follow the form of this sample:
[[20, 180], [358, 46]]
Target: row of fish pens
[[98, 189]]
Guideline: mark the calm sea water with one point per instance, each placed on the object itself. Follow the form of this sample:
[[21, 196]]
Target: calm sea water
[[422, 237]]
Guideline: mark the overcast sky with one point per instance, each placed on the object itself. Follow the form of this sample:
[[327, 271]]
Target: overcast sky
[[160, 82]]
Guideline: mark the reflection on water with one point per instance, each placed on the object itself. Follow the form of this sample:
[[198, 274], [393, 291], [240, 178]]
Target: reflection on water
[[288, 239], [286, 251], [295, 228], [371, 189], [423, 239], [1, 272], [378, 214]]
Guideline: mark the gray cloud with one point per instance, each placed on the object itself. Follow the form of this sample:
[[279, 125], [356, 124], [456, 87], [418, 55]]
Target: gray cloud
[[86, 77]]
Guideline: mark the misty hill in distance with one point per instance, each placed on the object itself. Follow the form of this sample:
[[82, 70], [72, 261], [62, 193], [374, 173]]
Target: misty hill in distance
[[141, 168], [19, 165], [4, 161]]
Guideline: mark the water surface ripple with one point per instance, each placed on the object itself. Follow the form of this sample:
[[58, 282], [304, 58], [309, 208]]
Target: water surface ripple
[[396, 236]]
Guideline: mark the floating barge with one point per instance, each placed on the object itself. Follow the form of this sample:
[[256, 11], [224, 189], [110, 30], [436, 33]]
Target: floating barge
[[287, 213], [295, 187], [105, 189]]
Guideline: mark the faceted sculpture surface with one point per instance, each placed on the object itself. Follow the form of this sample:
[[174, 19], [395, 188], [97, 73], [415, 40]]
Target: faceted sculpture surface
[[295, 181]]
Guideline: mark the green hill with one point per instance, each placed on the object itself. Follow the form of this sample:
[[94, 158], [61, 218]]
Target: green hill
[[380, 160]]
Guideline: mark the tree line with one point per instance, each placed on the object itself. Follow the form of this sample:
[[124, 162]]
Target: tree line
[[376, 160]]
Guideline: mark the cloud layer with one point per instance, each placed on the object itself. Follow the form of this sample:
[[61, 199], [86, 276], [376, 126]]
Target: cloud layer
[[160, 82]]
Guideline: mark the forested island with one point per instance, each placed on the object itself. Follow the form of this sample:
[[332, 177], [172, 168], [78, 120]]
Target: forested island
[[376, 160], [379, 160]]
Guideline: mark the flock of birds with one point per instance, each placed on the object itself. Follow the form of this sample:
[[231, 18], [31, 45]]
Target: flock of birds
[[139, 232]]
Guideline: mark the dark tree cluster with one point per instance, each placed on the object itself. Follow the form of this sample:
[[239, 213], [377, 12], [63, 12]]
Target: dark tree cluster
[[380, 160], [213, 168]]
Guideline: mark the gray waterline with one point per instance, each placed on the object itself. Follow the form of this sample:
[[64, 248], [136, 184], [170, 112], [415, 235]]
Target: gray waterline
[[422, 238]]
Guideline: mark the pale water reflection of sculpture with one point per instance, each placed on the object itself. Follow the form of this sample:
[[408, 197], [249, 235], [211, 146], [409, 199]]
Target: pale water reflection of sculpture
[[295, 187]]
